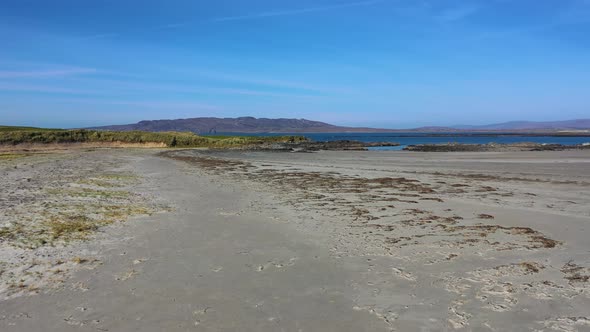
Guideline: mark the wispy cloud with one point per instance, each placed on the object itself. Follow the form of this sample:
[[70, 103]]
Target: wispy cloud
[[98, 36], [45, 73], [287, 12], [147, 104], [172, 25], [294, 11], [122, 86], [270, 82], [164, 104], [42, 89], [576, 14], [458, 13], [107, 87]]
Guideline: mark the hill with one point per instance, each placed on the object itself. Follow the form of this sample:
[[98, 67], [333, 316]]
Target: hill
[[238, 125], [578, 124], [211, 125]]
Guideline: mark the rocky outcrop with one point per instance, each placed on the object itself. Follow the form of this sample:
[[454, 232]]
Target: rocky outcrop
[[310, 146]]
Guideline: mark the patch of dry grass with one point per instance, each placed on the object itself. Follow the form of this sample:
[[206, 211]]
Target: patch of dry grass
[[74, 213], [75, 227], [12, 156], [68, 223], [89, 193], [109, 180], [8, 233]]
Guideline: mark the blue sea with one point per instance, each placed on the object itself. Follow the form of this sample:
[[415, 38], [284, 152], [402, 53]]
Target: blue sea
[[405, 139], [408, 138]]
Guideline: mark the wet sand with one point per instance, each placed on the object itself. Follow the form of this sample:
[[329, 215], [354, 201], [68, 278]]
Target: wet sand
[[329, 241]]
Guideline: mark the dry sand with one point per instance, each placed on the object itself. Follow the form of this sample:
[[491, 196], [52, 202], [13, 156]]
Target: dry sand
[[329, 241]]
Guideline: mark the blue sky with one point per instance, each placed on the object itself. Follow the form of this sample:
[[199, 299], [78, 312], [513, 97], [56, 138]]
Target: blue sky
[[378, 63]]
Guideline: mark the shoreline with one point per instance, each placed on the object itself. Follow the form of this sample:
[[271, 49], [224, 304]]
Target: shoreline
[[402, 133]]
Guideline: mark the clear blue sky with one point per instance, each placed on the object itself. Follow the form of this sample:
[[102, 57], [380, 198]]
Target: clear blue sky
[[382, 63]]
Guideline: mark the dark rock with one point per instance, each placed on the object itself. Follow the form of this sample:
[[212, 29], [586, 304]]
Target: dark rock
[[310, 146]]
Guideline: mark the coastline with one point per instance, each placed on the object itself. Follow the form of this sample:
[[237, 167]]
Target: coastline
[[403, 133]]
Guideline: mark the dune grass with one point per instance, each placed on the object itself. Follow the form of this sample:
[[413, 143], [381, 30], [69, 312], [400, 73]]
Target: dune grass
[[17, 128], [11, 156], [29, 135]]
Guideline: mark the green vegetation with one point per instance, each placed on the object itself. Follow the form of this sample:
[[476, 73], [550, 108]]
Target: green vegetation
[[76, 227], [109, 180], [73, 212], [20, 135], [76, 222], [13, 128], [89, 193], [10, 156]]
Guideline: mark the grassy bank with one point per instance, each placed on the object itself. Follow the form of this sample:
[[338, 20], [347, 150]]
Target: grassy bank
[[27, 135], [13, 128]]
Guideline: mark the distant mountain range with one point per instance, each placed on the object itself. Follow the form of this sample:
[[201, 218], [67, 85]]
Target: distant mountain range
[[531, 125], [238, 125], [209, 125]]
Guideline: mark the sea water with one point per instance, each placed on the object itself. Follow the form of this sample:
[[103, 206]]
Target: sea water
[[405, 139]]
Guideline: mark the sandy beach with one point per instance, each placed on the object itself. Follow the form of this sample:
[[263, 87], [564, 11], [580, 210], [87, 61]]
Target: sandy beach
[[195, 240]]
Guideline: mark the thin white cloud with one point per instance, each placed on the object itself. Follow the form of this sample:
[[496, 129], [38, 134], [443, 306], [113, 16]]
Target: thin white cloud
[[113, 87], [245, 17], [172, 25], [293, 11], [269, 82], [142, 104], [165, 104], [42, 88], [98, 36], [458, 13], [577, 13], [46, 73], [122, 86]]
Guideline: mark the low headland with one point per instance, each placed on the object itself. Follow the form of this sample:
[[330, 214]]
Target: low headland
[[27, 135], [35, 138]]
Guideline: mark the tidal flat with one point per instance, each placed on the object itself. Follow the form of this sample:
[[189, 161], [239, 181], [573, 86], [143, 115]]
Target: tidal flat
[[267, 241]]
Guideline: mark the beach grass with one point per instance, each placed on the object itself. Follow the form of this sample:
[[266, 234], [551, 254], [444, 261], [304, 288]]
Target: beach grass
[[17, 128], [29, 135], [11, 156]]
